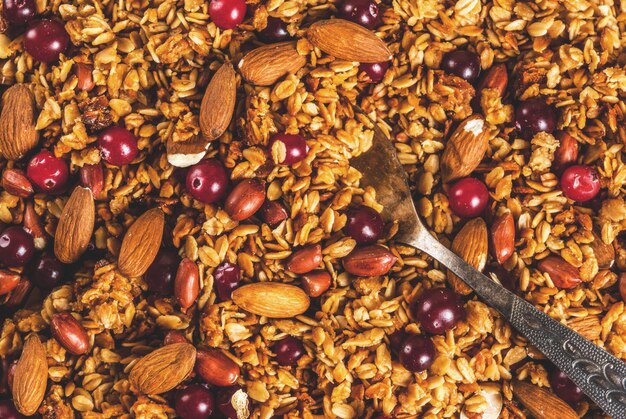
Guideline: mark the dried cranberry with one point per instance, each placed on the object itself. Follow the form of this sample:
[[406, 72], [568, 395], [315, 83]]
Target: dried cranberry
[[118, 146], [288, 350]]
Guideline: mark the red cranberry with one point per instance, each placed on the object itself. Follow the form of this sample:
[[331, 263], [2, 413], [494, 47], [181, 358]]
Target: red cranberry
[[19, 12], [8, 410], [438, 310], [224, 400], [227, 14], [565, 388], [273, 213], [45, 40], [17, 247], [417, 353], [194, 402], [207, 181], [161, 273], [291, 150], [363, 12], [375, 71], [364, 224], [468, 197], [118, 146], [48, 172], [533, 116], [288, 350], [580, 183], [465, 64], [275, 31], [47, 272], [226, 277]]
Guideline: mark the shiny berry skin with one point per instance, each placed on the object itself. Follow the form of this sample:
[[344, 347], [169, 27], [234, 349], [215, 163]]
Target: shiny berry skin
[[364, 224], [375, 71], [48, 172], [417, 353], [118, 146], [8, 410], [363, 12], [564, 388], [227, 14], [580, 183], [207, 181], [226, 278], [275, 31], [47, 272], [288, 350], [45, 40], [294, 145], [161, 273], [19, 12], [465, 64], [533, 116], [468, 197], [224, 401], [438, 310], [17, 247], [194, 402]]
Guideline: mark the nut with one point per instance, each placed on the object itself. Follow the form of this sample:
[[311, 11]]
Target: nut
[[216, 368], [186, 153], [305, 259], [8, 281], [174, 336], [92, 177], [271, 299], [273, 213], [496, 77], [503, 237], [567, 153], [588, 326], [163, 369], [541, 403], [141, 243], [471, 244], [33, 224], [316, 283], [245, 199], [218, 103], [16, 298], [15, 182], [187, 283], [70, 334], [265, 65], [605, 253], [84, 76], [562, 274], [17, 123], [75, 226], [31, 376], [371, 260]]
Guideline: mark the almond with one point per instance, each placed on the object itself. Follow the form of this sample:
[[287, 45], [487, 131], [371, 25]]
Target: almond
[[84, 76], [17, 123], [541, 403], [470, 243], [163, 369], [31, 376], [141, 243], [186, 283], [348, 41], [316, 283], [272, 299], [70, 334], [605, 253], [305, 259], [588, 326], [8, 281], [465, 148], [371, 260], [503, 237], [567, 153], [15, 182], [75, 226], [265, 65], [218, 103], [186, 153], [496, 77], [245, 199], [562, 274], [32, 223], [92, 177], [216, 368]]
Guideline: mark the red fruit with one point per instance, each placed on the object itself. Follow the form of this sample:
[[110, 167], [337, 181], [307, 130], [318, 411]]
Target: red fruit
[[118, 146], [207, 181], [580, 183], [363, 12], [533, 116], [364, 224], [375, 71], [287, 149], [19, 12], [288, 350], [49, 173], [45, 40], [417, 353], [227, 14], [17, 247], [438, 310], [468, 197], [465, 64]]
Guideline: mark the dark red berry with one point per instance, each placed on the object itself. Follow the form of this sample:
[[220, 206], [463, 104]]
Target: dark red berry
[[194, 402], [417, 353], [226, 278], [533, 116], [161, 273], [465, 64], [468, 197], [47, 272], [565, 388], [227, 14], [288, 350], [229, 397], [118, 146], [45, 40], [375, 71], [287, 149], [438, 310], [275, 31], [207, 181], [363, 12], [19, 12], [273, 213], [580, 183], [8, 410], [17, 247], [48, 172], [364, 224]]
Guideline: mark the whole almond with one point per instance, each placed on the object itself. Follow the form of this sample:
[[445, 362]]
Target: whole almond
[[562, 274], [503, 237], [567, 152], [75, 226], [588, 326], [305, 259], [470, 243], [15, 182], [373, 260], [163, 369], [31, 376], [245, 199], [273, 213], [17, 123], [605, 253], [465, 148], [70, 334], [265, 65], [496, 77], [216, 368], [272, 299], [84, 76], [141, 243], [348, 41], [33, 224], [186, 283], [316, 283], [218, 103], [8, 281], [92, 177], [542, 403]]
